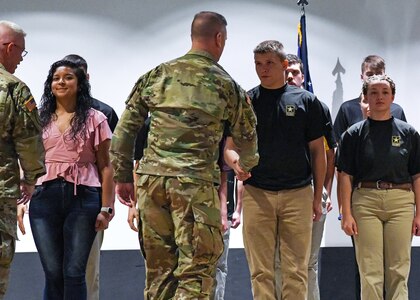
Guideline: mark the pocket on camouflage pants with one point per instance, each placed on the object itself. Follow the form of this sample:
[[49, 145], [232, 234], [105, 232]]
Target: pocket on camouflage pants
[[207, 237]]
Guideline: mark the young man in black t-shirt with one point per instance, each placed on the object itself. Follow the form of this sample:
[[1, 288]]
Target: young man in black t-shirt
[[350, 111], [279, 201]]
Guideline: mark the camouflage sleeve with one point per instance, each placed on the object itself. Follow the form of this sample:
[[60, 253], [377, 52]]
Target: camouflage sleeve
[[244, 133], [124, 137], [27, 134]]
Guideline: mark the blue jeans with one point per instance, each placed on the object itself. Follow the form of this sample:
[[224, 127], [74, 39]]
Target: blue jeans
[[63, 227]]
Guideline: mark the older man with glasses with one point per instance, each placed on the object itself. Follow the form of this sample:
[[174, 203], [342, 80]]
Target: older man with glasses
[[20, 143], [12, 39], [22, 49]]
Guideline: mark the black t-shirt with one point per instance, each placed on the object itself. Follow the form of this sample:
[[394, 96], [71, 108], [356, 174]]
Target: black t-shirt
[[350, 113], [328, 130], [108, 111], [380, 150], [288, 119]]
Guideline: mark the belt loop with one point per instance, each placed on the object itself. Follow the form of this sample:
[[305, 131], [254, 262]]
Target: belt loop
[[359, 185]]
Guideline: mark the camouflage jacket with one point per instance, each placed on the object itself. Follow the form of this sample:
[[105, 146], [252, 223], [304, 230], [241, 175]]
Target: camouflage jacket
[[190, 99], [20, 136]]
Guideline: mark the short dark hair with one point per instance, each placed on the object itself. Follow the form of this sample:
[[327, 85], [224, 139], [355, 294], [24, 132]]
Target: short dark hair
[[294, 59], [271, 46], [376, 78], [78, 60], [374, 62], [206, 24]]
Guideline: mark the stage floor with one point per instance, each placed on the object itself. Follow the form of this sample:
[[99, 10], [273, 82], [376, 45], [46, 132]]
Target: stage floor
[[122, 275]]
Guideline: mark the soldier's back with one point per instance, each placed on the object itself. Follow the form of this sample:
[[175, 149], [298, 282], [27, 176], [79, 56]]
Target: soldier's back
[[189, 98]]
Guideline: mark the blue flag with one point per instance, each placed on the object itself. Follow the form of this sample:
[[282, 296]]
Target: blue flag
[[303, 52]]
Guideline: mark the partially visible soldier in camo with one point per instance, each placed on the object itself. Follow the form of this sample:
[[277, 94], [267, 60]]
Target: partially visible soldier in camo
[[20, 142], [190, 99]]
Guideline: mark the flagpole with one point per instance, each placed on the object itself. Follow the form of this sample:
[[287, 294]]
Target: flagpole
[[302, 52]]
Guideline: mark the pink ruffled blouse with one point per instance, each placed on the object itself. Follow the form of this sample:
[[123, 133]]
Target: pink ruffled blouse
[[75, 161]]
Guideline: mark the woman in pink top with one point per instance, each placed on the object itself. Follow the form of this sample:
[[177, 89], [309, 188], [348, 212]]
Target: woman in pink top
[[65, 210]]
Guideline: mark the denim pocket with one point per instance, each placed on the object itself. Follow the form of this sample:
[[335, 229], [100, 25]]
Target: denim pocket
[[90, 197], [89, 192], [207, 237], [44, 201], [91, 189]]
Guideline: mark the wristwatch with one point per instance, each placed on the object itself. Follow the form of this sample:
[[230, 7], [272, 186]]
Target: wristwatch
[[107, 209]]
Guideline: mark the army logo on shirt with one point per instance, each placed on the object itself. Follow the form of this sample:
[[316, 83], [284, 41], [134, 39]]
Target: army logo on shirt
[[396, 141], [290, 110]]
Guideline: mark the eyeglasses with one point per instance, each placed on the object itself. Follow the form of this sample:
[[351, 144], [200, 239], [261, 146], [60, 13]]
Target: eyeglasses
[[24, 52]]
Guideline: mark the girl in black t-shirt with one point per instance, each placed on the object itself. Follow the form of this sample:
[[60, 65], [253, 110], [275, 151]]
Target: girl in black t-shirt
[[379, 165]]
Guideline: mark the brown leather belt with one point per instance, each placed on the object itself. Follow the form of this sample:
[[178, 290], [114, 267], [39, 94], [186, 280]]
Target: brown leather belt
[[383, 185]]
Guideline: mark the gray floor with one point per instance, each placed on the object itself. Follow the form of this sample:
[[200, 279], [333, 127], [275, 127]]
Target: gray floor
[[122, 275]]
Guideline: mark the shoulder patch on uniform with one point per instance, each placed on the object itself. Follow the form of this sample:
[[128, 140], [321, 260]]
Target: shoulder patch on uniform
[[30, 104]]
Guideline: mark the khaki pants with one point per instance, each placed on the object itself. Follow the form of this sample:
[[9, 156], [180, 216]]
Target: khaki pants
[[317, 233], [285, 215], [383, 245], [92, 267], [181, 235]]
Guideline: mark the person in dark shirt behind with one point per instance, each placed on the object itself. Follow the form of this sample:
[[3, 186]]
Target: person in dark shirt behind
[[350, 111], [295, 76], [108, 111]]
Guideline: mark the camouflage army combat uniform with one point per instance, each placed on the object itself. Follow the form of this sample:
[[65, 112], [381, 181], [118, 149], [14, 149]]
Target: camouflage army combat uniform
[[189, 100], [20, 139]]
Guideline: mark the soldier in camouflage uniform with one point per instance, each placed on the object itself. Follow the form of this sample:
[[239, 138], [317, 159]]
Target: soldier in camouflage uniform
[[20, 143], [190, 99]]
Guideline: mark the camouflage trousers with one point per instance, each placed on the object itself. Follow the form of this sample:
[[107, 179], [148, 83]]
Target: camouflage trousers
[[7, 240], [7, 251], [180, 236]]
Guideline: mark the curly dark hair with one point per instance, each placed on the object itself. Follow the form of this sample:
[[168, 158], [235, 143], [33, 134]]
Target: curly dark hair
[[83, 104], [376, 78]]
